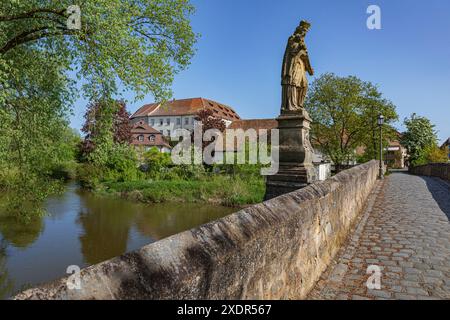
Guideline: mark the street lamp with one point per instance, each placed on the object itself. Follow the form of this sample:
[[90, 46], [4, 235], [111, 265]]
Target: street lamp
[[380, 124]]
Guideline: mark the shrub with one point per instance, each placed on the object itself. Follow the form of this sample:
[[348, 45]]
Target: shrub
[[156, 162], [431, 154]]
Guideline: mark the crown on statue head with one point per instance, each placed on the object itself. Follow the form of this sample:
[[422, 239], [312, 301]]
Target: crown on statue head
[[304, 25]]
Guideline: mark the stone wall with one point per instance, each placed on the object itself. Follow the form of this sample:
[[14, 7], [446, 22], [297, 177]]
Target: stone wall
[[273, 250], [440, 170]]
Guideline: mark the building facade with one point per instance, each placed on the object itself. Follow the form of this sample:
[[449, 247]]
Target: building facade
[[181, 114], [446, 146], [145, 137], [396, 155]]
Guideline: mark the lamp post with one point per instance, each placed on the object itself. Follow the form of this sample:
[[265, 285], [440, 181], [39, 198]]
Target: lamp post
[[380, 124]]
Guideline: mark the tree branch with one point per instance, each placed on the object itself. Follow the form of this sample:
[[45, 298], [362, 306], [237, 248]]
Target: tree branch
[[33, 35], [31, 14]]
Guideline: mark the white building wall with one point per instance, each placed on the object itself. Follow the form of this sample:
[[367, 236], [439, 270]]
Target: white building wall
[[167, 125]]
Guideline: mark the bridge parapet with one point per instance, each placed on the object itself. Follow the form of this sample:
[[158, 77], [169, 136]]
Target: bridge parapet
[[274, 250], [440, 170]]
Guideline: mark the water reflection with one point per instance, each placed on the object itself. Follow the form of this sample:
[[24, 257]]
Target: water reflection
[[106, 226], [20, 233], [6, 284], [83, 229]]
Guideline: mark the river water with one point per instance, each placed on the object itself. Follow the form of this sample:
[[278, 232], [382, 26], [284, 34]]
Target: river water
[[84, 229]]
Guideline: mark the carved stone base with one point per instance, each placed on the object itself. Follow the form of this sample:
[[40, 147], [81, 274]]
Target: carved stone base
[[296, 168], [289, 180]]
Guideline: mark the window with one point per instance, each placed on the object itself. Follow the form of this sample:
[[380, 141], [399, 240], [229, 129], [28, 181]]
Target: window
[[168, 133], [186, 121], [178, 121], [152, 138], [161, 122], [140, 138], [168, 121], [193, 120], [152, 122]]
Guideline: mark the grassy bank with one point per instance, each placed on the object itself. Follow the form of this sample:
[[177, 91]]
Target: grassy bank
[[218, 189]]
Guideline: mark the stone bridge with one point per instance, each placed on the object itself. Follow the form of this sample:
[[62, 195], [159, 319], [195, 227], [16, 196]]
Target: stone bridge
[[314, 243], [405, 231]]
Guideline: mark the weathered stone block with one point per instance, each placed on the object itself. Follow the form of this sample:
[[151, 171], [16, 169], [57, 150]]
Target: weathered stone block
[[273, 250]]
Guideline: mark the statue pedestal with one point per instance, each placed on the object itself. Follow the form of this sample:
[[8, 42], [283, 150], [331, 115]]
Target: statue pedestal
[[296, 169]]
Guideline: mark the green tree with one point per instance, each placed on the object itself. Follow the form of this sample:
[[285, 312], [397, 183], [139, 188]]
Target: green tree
[[436, 154], [105, 120], [432, 154], [140, 43], [344, 111], [33, 119], [156, 162], [419, 137], [113, 158]]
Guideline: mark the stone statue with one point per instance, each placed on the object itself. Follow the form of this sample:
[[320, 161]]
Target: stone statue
[[296, 168], [295, 65]]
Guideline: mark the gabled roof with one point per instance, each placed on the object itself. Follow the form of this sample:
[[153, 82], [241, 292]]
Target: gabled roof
[[143, 127], [446, 143], [254, 124], [186, 107]]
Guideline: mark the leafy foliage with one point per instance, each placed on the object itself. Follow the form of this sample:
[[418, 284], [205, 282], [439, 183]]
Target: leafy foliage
[[209, 121], [105, 120], [141, 43], [432, 154], [105, 148], [344, 112], [420, 139], [156, 162], [213, 188]]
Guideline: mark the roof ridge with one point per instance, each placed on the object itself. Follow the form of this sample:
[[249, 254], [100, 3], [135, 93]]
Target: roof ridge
[[256, 119], [156, 108]]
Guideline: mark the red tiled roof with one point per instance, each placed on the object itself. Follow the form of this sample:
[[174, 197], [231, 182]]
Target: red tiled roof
[[143, 129], [186, 107], [254, 124]]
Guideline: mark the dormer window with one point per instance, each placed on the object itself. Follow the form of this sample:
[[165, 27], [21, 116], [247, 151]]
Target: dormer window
[[152, 137], [140, 138]]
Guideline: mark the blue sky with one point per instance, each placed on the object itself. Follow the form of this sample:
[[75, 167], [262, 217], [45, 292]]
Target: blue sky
[[242, 42]]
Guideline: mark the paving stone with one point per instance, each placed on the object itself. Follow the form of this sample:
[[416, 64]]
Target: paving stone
[[412, 277], [380, 294], [404, 296], [407, 233], [356, 297], [417, 291]]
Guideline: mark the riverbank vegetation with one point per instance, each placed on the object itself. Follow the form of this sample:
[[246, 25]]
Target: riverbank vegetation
[[220, 189], [110, 165], [154, 178]]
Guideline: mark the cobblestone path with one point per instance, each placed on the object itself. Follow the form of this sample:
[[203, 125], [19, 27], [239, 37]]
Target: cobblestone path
[[406, 232]]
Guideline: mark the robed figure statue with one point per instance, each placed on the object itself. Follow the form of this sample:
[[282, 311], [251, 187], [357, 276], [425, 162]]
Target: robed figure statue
[[295, 65]]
